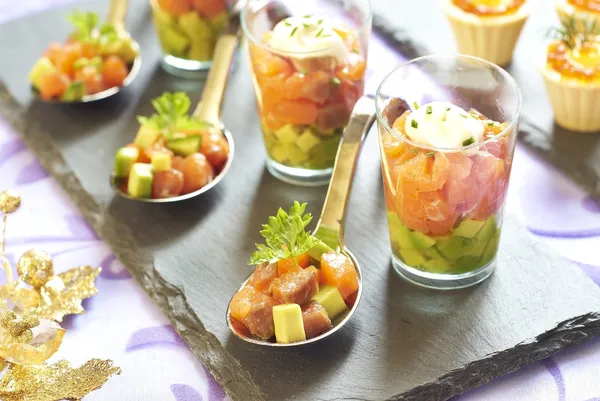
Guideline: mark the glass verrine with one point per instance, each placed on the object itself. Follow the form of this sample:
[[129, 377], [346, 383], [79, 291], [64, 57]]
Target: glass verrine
[[308, 62], [187, 32], [447, 130]]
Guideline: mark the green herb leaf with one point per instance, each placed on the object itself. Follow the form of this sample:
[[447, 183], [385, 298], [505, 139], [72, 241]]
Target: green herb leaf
[[320, 32], [429, 110], [172, 114], [84, 23], [464, 116], [320, 22], [415, 105], [293, 31], [490, 124], [430, 154], [287, 23], [307, 16], [415, 151], [469, 141], [285, 236], [414, 124], [306, 25], [447, 108], [336, 81]]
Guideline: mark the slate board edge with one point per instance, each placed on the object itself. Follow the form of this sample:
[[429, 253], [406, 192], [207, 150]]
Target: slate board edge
[[530, 135], [236, 381], [171, 300]]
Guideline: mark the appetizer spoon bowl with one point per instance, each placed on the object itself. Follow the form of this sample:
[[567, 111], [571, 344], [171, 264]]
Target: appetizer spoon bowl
[[116, 16], [209, 107], [330, 227]]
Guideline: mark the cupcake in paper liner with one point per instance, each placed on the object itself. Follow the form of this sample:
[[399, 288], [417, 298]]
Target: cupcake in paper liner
[[571, 70], [581, 14], [487, 31]]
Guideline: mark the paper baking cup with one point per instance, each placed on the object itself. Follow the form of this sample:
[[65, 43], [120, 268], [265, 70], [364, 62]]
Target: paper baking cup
[[566, 11], [494, 43], [575, 107]]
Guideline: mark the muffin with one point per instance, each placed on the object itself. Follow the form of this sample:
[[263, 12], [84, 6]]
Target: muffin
[[487, 31], [571, 70]]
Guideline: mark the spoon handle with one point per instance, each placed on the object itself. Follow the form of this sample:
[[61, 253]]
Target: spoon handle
[[330, 227], [209, 107], [117, 13]]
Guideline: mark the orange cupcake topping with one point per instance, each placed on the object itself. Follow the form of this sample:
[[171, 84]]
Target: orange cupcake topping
[[587, 5], [490, 8], [581, 62]]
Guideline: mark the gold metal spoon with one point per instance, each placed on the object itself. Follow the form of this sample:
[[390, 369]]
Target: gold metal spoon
[[117, 14], [209, 107], [330, 227]]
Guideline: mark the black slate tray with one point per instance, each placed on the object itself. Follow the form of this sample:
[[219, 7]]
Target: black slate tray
[[417, 30], [404, 343]]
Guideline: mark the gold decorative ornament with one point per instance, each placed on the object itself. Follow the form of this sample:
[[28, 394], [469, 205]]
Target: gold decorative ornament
[[30, 308], [35, 267], [55, 382]]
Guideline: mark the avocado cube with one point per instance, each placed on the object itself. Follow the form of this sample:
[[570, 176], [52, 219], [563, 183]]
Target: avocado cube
[[331, 299], [412, 257], [139, 184], [123, 47], [491, 249], [323, 156], [467, 264], [488, 230], [75, 91], [201, 50], [161, 161], [329, 236], [161, 17], [474, 248], [289, 326], [146, 136], [469, 228], [435, 266], [124, 161], [318, 250], [173, 41], [218, 22], [451, 248], [288, 154], [421, 241], [195, 27], [42, 67], [287, 134], [399, 234], [308, 140], [185, 146]]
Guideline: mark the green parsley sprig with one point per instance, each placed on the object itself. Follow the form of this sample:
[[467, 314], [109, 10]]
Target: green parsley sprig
[[285, 236], [172, 114], [88, 30]]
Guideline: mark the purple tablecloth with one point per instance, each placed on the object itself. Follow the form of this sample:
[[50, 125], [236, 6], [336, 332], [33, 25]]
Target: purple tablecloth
[[123, 324]]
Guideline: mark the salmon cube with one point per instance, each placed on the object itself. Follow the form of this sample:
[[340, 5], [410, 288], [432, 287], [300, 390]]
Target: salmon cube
[[296, 287], [316, 321], [338, 271], [262, 278], [254, 310]]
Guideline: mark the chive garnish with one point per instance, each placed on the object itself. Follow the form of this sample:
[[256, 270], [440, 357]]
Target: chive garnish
[[320, 22], [429, 110], [287, 23], [305, 25], [468, 142], [307, 16], [293, 31], [355, 51], [326, 36], [415, 105], [430, 154], [464, 116], [414, 124], [415, 151], [490, 124], [320, 32], [336, 81]]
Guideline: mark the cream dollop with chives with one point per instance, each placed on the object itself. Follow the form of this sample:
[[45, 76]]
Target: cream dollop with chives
[[443, 125], [307, 37]]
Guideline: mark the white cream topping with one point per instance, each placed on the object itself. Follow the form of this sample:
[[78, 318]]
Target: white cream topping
[[305, 37], [443, 125]]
